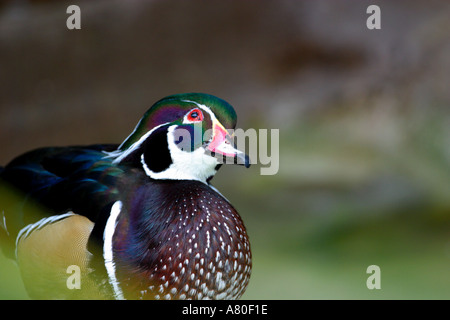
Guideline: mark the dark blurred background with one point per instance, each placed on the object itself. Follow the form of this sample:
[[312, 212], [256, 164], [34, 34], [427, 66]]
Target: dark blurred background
[[364, 120]]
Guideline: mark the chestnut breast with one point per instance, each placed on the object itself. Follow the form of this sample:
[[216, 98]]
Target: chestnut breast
[[181, 240]]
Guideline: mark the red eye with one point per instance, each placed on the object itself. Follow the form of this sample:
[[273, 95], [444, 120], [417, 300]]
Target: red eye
[[195, 115]]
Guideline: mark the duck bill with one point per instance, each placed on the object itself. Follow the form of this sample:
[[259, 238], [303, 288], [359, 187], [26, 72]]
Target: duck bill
[[222, 147]]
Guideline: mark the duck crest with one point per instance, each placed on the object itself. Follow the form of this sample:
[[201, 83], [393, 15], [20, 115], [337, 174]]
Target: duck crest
[[183, 241]]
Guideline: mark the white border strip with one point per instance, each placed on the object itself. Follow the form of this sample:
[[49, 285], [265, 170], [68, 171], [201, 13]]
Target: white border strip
[[108, 248]]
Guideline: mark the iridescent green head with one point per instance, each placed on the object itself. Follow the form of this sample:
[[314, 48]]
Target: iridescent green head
[[183, 136]]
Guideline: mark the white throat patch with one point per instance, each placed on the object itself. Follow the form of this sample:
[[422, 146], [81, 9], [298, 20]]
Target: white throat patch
[[196, 165]]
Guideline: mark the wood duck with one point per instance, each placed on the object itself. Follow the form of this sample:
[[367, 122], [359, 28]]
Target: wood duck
[[139, 220]]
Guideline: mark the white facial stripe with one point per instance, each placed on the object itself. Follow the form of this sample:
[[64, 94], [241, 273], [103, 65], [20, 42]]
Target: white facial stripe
[[204, 108], [120, 155], [108, 234], [195, 165], [134, 130], [207, 109]]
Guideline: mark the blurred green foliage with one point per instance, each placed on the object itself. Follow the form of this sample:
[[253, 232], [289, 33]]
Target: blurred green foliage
[[344, 199]]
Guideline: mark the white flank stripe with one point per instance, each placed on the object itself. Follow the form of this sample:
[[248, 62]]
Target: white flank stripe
[[25, 232], [108, 248], [4, 223]]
